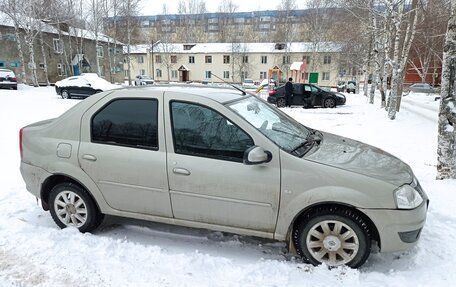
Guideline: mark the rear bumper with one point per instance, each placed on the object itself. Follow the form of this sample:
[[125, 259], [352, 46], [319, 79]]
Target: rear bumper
[[33, 177], [398, 229], [272, 100], [8, 85]]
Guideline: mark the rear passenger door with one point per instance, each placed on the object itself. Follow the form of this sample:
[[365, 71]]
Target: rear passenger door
[[298, 94], [123, 150]]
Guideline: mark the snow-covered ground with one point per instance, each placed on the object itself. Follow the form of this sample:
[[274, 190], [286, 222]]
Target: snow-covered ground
[[125, 252]]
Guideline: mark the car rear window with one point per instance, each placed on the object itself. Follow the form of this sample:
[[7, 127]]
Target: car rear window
[[127, 122]]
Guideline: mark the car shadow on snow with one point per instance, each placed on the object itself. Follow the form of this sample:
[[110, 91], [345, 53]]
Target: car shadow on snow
[[178, 239]]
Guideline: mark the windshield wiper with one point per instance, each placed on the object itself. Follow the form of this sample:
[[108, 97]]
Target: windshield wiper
[[307, 145]]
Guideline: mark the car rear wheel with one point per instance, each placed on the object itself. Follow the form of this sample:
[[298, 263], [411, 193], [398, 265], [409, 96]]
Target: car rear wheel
[[281, 102], [71, 206], [65, 94], [329, 103], [333, 236]]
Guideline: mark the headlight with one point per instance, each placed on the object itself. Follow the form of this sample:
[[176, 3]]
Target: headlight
[[407, 197]]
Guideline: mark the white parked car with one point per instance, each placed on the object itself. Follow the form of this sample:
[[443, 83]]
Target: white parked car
[[249, 84], [8, 79], [142, 80]]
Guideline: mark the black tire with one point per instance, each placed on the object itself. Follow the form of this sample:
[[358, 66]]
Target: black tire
[[281, 102], [62, 207], [65, 94], [308, 244], [329, 103]]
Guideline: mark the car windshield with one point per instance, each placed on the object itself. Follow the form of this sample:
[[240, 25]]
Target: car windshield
[[273, 123]]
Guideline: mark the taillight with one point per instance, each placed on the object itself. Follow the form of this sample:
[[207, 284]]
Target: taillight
[[272, 93], [13, 79], [21, 132]]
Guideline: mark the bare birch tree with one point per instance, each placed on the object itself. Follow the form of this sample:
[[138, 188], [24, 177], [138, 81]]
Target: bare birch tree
[[446, 149]]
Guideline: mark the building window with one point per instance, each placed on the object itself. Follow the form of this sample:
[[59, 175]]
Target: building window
[[8, 37], [327, 60], [212, 20], [263, 75], [226, 74], [208, 59], [174, 74], [142, 72], [58, 48], [140, 59], [41, 65], [158, 73], [325, 76], [306, 59], [61, 69], [226, 59], [239, 20], [212, 28], [244, 75], [264, 59], [158, 58], [191, 59], [208, 74], [100, 51], [286, 60], [173, 59], [245, 59], [2, 64]]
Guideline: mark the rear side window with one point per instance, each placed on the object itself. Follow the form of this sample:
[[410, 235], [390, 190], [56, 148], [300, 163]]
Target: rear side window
[[201, 131], [127, 122]]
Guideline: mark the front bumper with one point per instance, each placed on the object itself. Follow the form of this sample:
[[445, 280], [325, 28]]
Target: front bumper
[[398, 229], [33, 177]]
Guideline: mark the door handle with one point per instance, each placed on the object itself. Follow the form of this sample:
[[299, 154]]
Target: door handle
[[89, 157], [179, 170]]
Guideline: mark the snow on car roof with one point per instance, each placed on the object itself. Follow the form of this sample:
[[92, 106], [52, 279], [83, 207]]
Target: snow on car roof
[[96, 82]]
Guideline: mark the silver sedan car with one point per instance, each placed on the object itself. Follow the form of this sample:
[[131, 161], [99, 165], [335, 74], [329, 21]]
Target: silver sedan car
[[221, 159]]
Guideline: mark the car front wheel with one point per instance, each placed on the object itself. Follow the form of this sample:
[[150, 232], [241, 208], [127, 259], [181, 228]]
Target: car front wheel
[[329, 103], [66, 94], [281, 102], [333, 236], [70, 205]]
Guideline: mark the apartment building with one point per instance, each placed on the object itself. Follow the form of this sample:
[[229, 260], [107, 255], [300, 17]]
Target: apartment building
[[234, 62]]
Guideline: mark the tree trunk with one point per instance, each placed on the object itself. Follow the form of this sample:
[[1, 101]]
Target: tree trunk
[[21, 54], [446, 165], [46, 75], [32, 63]]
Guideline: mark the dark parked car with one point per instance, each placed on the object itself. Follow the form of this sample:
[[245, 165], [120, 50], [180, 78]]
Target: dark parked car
[[83, 86], [307, 95], [8, 79]]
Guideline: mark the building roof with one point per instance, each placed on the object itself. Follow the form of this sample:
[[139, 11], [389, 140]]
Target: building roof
[[202, 48], [5, 20]]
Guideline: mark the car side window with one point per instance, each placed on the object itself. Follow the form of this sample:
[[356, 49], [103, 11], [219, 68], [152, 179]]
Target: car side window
[[297, 88], [307, 88], [201, 131], [127, 122]]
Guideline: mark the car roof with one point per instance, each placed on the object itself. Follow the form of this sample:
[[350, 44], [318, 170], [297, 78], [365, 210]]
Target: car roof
[[219, 94]]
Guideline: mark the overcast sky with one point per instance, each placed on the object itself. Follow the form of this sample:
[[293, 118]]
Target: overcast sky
[[154, 7]]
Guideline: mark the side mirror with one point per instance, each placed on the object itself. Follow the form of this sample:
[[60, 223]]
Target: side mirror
[[256, 155]]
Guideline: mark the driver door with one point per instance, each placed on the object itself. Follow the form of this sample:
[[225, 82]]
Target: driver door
[[207, 179]]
